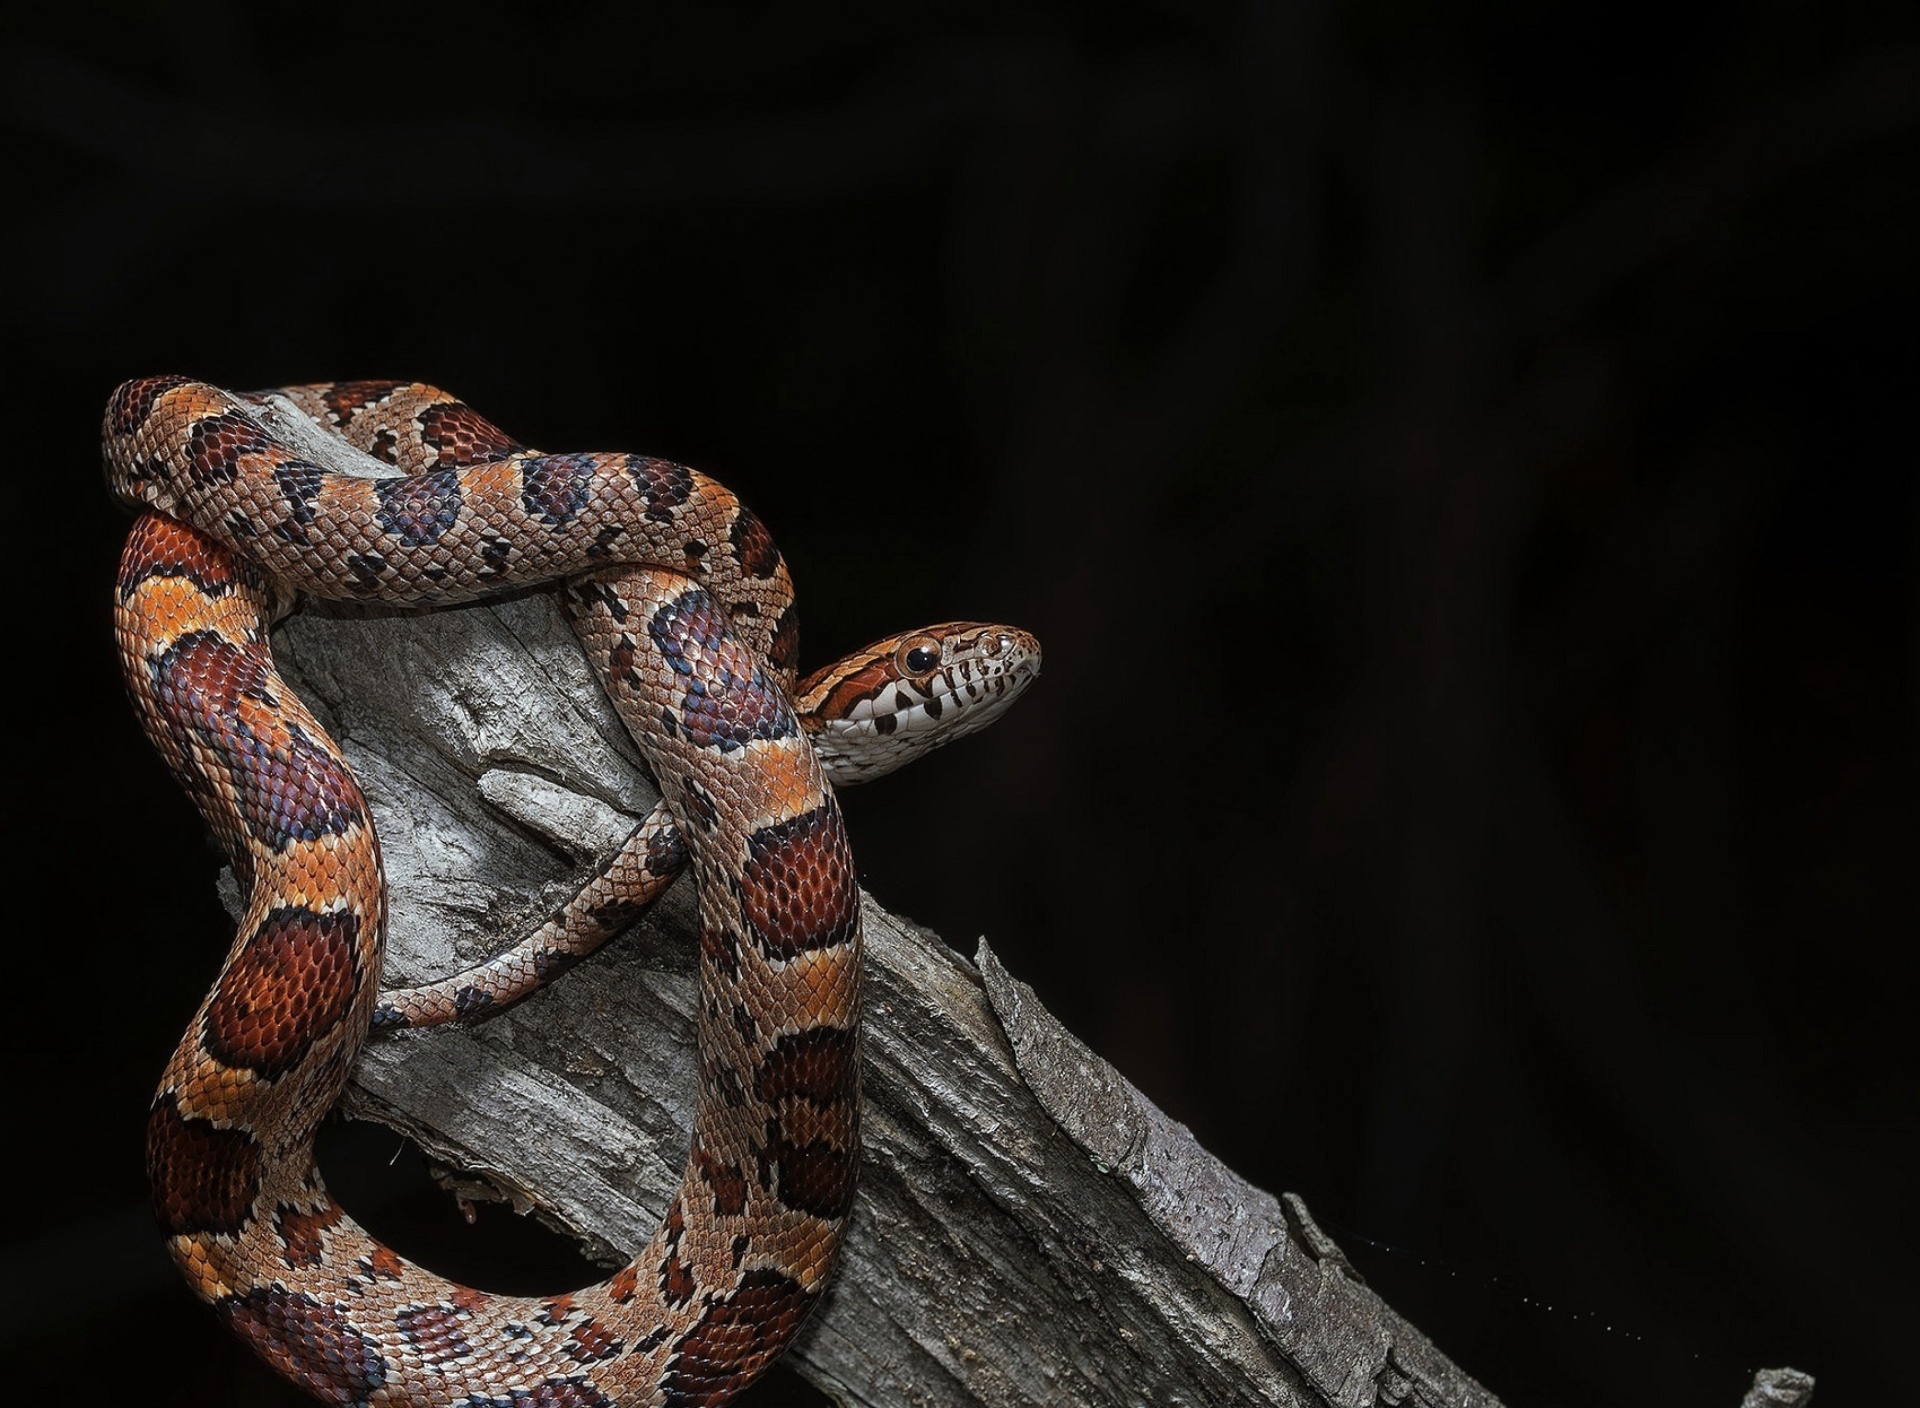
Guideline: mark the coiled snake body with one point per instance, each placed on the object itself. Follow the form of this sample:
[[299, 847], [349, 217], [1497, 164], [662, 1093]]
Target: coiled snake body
[[684, 606]]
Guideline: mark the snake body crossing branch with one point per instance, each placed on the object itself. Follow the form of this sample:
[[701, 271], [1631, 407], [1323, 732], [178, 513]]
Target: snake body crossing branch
[[685, 607]]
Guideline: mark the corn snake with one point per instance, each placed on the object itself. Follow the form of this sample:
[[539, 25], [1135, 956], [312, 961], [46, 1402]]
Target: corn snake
[[685, 607]]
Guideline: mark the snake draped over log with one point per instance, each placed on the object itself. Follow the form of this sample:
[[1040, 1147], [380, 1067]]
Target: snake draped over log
[[685, 609]]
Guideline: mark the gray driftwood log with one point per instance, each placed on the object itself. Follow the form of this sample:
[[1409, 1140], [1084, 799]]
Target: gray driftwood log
[[1029, 1231]]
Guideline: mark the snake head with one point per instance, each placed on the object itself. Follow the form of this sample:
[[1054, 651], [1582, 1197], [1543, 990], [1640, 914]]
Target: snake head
[[908, 694]]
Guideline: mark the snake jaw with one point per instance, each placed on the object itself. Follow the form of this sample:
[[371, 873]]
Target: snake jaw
[[887, 704]]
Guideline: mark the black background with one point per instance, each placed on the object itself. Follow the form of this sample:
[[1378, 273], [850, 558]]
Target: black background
[[1459, 460]]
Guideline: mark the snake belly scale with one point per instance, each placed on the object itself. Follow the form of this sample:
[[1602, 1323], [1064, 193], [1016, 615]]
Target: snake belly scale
[[685, 607]]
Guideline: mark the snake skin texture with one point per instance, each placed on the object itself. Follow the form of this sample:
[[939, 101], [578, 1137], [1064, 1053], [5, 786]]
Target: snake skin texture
[[684, 606]]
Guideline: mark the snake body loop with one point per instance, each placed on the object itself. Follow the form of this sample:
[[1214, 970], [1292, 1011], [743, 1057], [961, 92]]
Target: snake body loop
[[685, 607]]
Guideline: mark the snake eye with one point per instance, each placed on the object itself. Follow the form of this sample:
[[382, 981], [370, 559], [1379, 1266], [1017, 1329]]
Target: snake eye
[[916, 657]]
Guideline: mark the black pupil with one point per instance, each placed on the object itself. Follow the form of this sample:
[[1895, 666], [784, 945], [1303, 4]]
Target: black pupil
[[922, 657]]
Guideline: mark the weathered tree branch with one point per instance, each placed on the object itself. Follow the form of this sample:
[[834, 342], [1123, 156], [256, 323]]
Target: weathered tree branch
[[1030, 1230]]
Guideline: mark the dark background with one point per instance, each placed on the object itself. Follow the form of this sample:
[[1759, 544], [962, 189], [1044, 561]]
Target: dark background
[[1460, 461]]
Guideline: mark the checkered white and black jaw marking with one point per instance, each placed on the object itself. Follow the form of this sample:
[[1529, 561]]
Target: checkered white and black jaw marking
[[915, 692]]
